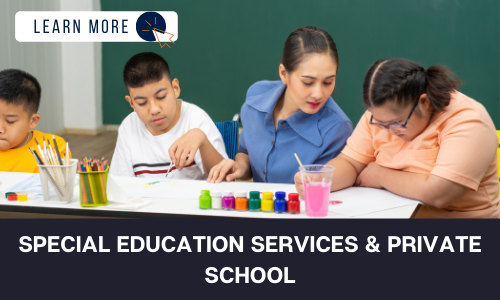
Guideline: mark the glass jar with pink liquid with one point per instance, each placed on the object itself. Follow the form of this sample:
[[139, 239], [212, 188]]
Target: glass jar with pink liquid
[[317, 180]]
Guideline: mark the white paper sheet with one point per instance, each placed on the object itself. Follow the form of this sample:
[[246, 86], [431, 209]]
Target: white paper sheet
[[10, 179], [34, 185], [357, 201], [162, 188], [118, 198], [189, 189]]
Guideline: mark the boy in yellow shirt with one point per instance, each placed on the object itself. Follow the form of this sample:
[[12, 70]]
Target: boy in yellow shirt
[[19, 101]]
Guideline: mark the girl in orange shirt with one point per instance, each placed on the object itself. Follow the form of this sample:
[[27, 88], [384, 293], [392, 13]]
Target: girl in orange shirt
[[422, 139]]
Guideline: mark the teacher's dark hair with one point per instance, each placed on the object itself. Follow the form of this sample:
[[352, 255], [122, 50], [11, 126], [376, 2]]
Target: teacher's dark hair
[[403, 82], [304, 41]]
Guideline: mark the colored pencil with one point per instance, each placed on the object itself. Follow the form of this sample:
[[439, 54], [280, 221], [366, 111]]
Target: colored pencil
[[92, 172]]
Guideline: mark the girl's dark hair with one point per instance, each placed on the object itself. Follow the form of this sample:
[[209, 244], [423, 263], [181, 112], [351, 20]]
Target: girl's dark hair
[[404, 81], [307, 40]]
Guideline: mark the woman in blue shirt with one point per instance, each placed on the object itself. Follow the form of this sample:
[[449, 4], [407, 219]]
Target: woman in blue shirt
[[294, 115]]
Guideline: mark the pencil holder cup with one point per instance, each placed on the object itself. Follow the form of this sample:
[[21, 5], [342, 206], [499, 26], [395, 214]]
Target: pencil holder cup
[[93, 188], [58, 182]]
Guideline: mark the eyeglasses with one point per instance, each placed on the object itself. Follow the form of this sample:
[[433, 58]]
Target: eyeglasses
[[396, 126]]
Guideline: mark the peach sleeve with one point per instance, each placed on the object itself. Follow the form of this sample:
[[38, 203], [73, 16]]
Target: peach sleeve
[[467, 148], [360, 144]]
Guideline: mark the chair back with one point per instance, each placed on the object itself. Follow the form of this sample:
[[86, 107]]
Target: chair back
[[229, 131]]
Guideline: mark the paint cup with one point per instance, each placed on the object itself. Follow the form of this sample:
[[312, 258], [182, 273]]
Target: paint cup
[[216, 200], [228, 200], [267, 203], [22, 197], [280, 203], [205, 200], [254, 201], [293, 205], [241, 201], [317, 180]]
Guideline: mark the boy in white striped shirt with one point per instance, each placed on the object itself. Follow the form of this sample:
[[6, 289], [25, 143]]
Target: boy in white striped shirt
[[163, 129]]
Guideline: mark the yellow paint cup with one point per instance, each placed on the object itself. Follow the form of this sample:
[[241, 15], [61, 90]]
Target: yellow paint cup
[[267, 203]]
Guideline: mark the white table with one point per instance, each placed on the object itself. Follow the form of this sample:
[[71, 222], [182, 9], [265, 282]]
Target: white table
[[172, 208]]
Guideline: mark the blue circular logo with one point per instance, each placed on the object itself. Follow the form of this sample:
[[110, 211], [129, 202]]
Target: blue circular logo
[[148, 23]]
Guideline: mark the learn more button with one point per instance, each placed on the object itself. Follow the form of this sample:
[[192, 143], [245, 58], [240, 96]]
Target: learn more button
[[96, 26]]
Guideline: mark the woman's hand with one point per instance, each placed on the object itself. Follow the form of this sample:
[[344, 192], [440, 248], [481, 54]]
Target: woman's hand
[[228, 167], [299, 185], [370, 176]]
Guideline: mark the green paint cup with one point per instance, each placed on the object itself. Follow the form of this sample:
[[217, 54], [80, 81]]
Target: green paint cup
[[205, 200], [254, 201]]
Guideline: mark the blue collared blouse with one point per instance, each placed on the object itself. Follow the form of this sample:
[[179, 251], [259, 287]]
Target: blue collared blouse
[[316, 138]]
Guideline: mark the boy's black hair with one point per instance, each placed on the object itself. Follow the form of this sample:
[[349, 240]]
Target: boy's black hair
[[144, 68], [19, 87]]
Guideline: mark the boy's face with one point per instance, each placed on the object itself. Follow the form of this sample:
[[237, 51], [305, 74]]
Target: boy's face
[[155, 104], [15, 123]]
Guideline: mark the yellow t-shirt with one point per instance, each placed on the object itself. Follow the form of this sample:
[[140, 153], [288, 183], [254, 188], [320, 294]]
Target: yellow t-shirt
[[21, 160]]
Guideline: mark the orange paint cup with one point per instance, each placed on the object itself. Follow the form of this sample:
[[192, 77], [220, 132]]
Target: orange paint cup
[[241, 201]]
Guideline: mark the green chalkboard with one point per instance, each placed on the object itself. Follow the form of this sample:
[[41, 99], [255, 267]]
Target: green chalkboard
[[224, 46]]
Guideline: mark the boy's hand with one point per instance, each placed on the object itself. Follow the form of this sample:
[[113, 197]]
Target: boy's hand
[[228, 167], [299, 185], [188, 144]]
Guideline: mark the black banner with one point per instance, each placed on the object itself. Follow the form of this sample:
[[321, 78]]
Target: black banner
[[248, 259]]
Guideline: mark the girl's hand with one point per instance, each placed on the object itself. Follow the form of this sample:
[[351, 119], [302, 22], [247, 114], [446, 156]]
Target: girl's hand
[[370, 176], [228, 167]]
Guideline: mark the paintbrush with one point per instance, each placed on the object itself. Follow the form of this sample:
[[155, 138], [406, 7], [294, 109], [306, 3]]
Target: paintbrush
[[307, 175], [57, 151], [47, 173], [39, 148]]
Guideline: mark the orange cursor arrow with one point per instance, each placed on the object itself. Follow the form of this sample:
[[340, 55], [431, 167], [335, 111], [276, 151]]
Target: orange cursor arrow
[[171, 36]]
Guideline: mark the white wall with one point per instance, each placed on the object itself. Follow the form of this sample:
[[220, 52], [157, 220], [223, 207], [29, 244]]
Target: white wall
[[82, 77], [70, 73], [42, 60]]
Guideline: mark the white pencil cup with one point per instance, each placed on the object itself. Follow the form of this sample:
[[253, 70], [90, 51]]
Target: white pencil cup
[[58, 182]]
